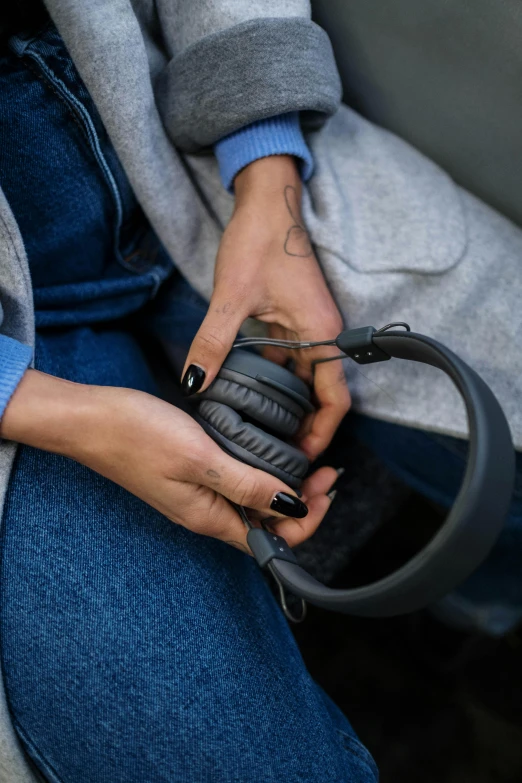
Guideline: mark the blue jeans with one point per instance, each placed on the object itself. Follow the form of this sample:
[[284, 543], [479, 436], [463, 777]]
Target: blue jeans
[[135, 650], [92, 254], [132, 649]]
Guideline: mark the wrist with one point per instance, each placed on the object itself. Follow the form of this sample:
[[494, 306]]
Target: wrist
[[265, 179], [51, 414]]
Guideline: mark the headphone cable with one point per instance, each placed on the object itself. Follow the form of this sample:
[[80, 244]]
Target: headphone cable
[[282, 595]]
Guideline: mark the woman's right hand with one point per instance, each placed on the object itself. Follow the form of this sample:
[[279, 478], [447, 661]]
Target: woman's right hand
[[160, 454]]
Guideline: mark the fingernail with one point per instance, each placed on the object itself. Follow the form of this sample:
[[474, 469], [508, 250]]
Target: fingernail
[[298, 493], [193, 380], [289, 505], [340, 472], [332, 495]]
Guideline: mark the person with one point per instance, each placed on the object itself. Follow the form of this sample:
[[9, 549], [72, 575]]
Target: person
[[161, 653], [139, 642]]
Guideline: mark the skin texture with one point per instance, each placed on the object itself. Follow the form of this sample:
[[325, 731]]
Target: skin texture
[[266, 268], [158, 453]]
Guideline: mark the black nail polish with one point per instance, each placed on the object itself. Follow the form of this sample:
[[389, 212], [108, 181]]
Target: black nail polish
[[193, 380], [289, 505]]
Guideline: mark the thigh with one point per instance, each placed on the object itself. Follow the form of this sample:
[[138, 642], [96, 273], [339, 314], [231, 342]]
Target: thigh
[[134, 650]]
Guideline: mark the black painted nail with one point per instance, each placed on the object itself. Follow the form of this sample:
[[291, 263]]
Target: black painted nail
[[289, 505], [193, 380]]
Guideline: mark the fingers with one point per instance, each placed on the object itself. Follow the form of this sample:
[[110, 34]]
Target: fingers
[[212, 343], [320, 482], [208, 513], [244, 485], [334, 400], [295, 531]]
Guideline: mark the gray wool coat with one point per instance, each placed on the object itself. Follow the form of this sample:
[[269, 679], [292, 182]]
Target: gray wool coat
[[397, 239]]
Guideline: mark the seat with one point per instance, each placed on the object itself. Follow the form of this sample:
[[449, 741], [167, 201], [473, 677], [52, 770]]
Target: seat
[[444, 76]]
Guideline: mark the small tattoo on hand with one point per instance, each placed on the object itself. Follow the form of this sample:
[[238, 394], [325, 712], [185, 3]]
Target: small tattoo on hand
[[213, 474], [297, 242]]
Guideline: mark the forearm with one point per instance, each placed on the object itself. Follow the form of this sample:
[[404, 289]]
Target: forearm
[[158, 453], [266, 178], [50, 413]]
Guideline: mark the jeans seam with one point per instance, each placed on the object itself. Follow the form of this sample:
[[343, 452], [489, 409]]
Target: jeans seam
[[34, 752], [81, 113], [52, 87]]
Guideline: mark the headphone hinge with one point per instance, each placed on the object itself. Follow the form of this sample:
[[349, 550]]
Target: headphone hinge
[[266, 546], [358, 345]]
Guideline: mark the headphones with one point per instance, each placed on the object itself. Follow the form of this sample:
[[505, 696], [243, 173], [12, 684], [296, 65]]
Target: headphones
[[254, 406]]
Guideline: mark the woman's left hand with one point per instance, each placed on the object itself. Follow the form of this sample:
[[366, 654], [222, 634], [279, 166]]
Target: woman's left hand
[[266, 268]]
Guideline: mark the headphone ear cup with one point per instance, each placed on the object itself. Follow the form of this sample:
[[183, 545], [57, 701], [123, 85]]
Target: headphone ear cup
[[258, 404], [252, 445]]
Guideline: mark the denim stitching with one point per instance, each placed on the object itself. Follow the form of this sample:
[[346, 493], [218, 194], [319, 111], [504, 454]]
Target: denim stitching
[[80, 111], [37, 754]]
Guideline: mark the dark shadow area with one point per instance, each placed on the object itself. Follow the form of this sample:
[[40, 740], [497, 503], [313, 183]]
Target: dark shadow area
[[430, 703]]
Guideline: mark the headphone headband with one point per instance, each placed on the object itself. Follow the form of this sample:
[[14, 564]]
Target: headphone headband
[[474, 522]]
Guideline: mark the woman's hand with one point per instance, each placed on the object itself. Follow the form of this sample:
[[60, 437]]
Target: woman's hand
[[160, 454], [266, 268]]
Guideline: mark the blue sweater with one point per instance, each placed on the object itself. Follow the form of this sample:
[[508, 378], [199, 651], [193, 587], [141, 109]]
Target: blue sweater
[[275, 136], [279, 135]]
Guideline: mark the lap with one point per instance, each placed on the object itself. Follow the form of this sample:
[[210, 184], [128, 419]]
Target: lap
[[135, 650]]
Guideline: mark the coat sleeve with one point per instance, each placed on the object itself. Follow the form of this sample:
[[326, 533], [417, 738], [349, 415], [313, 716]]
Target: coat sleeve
[[15, 358], [16, 306], [235, 62]]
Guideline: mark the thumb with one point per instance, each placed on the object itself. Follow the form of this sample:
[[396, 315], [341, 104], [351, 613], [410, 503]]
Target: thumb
[[212, 343]]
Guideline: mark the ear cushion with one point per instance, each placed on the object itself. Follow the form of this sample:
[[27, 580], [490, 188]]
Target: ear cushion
[[269, 412], [252, 365], [251, 445]]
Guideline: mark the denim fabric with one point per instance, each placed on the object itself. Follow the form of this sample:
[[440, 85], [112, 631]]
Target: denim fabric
[[491, 599], [134, 650], [92, 254]]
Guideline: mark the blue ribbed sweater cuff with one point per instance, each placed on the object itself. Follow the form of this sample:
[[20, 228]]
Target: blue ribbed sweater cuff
[[15, 358], [279, 135]]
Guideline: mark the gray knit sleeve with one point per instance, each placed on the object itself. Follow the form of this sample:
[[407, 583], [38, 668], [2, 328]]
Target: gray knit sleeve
[[249, 71]]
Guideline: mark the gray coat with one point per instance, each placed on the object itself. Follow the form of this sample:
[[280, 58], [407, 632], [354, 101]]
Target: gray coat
[[397, 239]]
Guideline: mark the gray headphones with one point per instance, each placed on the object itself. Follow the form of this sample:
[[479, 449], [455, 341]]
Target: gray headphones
[[254, 406]]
